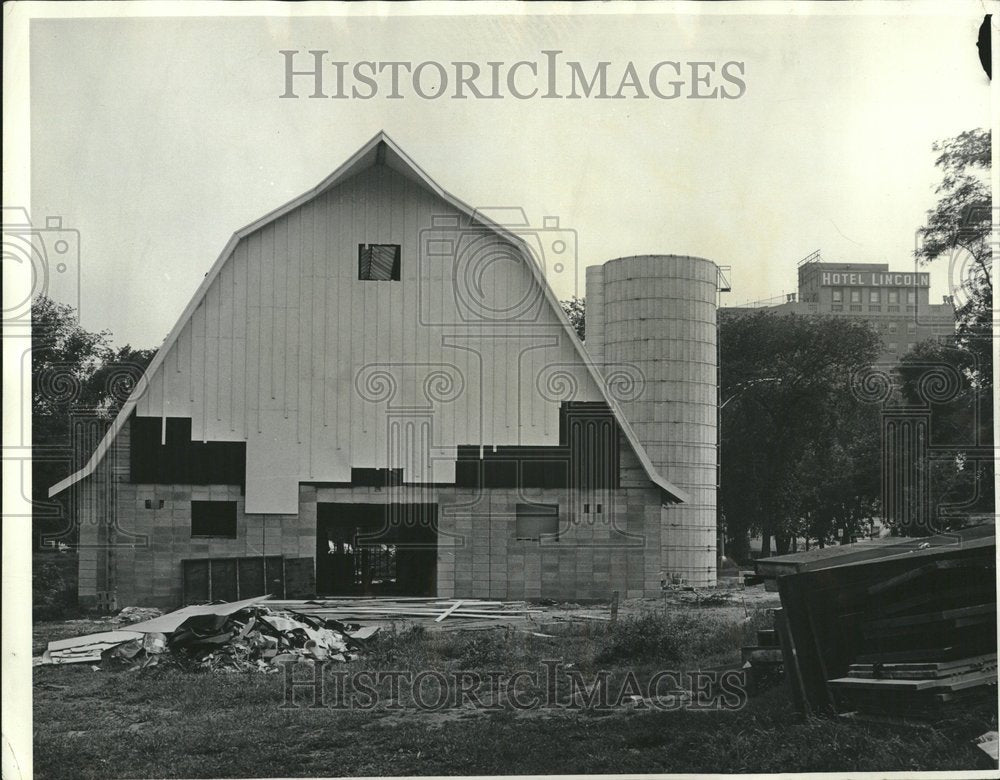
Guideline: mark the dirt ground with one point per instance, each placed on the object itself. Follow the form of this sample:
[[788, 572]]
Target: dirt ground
[[171, 723]]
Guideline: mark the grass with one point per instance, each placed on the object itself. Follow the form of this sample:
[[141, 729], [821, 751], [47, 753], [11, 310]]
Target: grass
[[172, 724]]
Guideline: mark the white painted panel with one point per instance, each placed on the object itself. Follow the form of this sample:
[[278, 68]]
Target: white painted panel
[[272, 467], [273, 353]]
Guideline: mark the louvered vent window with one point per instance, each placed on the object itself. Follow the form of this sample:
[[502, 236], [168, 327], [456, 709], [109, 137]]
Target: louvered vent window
[[378, 262]]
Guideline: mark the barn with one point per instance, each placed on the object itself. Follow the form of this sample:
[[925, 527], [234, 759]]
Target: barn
[[374, 391]]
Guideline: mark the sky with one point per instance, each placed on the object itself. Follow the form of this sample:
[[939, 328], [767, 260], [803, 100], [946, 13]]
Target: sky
[[158, 138]]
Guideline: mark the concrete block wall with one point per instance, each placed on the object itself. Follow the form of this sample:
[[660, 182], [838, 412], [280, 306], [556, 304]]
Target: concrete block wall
[[594, 555], [137, 551]]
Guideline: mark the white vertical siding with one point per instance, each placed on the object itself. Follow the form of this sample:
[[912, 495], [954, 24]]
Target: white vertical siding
[[286, 335]]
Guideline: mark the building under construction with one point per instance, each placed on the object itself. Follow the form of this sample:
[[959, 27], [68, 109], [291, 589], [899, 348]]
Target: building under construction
[[374, 391]]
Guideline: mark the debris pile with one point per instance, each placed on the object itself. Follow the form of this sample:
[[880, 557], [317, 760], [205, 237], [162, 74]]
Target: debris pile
[[237, 637]]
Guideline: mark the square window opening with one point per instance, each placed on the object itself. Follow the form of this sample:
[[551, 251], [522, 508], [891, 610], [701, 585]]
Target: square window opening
[[379, 262], [535, 521], [213, 519]]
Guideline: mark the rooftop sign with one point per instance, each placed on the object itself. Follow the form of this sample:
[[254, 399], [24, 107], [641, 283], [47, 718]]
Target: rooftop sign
[[874, 279]]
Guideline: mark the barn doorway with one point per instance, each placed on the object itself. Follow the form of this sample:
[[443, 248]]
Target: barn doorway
[[376, 549]]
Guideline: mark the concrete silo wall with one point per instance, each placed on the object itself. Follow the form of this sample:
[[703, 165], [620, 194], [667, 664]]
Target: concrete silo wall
[[658, 313]]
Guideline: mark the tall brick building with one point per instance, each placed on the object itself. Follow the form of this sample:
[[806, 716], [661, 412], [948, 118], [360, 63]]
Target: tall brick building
[[375, 391], [897, 302]]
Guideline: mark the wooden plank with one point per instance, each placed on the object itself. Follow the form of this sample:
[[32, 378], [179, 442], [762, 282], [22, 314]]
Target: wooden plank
[[821, 660], [299, 578], [222, 579], [930, 666], [250, 577], [448, 611], [901, 605], [939, 630], [916, 654], [195, 580], [793, 675], [916, 573], [934, 617], [793, 563], [947, 684]]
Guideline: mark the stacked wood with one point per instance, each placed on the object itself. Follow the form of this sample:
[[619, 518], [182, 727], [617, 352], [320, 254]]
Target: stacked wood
[[924, 689], [907, 632]]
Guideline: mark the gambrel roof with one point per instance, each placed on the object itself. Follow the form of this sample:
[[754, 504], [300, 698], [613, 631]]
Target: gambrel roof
[[379, 150]]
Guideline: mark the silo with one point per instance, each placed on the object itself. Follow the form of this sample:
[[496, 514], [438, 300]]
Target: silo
[[658, 313]]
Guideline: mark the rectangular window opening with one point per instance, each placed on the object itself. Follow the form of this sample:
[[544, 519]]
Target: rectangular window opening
[[535, 521], [379, 262], [214, 519]]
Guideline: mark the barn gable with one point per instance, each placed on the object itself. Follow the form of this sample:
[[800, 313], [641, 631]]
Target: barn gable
[[376, 322]]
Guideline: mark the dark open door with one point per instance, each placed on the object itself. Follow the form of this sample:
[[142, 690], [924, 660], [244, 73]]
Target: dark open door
[[376, 549]]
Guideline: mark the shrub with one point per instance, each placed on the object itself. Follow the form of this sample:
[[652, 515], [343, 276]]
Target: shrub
[[671, 637], [53, 589]]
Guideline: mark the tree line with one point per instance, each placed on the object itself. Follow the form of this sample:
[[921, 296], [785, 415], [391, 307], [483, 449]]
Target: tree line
[[76, 376]]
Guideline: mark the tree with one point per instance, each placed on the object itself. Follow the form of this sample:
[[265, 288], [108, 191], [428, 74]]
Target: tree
[[74, 373], [958, 227], [576, 311], [799, 456], [939, 381]]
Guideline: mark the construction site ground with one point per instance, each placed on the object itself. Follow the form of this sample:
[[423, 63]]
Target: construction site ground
[[169, 722]]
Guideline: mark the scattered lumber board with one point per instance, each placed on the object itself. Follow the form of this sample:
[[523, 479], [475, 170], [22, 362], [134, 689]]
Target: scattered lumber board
[[923, 669], [944, 685], [448, 611]]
